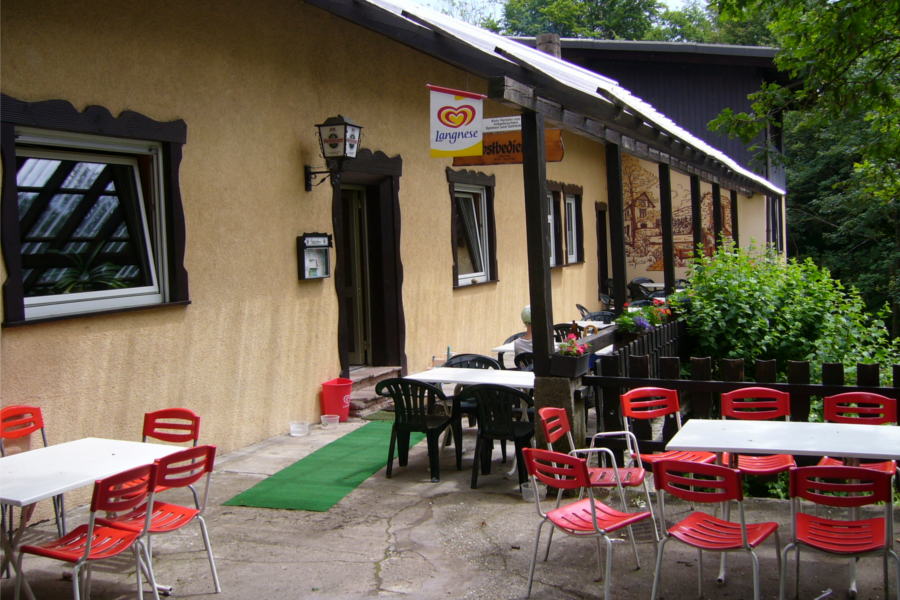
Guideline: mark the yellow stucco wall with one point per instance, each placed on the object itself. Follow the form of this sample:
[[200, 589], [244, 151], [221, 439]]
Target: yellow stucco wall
[[250, 80], [752, 220]]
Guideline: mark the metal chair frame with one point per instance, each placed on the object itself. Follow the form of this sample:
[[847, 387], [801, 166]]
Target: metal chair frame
[[555, 424], [847, 487], [95, 541], [180, 469], [585, 517], [715, 484], [863, 408]]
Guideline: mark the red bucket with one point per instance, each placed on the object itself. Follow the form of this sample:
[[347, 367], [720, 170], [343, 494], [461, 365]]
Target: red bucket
[[336, 397]]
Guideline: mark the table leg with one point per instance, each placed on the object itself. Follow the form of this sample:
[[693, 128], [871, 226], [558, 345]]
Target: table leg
[[9, 540], [726, 514]]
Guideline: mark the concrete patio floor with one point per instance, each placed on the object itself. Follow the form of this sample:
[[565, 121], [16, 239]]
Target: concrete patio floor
[[407, 537]]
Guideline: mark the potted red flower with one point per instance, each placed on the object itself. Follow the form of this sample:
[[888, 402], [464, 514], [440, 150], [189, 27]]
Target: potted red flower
[[571, 358]]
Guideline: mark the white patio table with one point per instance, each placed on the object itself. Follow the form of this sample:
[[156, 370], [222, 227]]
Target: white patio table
[[442, 375], [789, 437], [35, 475], [799, 438]]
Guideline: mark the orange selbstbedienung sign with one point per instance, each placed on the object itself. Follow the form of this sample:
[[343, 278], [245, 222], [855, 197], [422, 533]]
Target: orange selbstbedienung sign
[[505, 148]]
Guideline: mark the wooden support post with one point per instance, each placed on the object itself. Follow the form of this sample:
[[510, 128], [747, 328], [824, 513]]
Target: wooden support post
[[717, 213], [537, 235], [616, 223], [696, 212], [668, 239], [734, 218]]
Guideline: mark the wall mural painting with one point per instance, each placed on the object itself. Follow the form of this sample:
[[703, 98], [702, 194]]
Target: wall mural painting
[[643, 230], [726, 213]]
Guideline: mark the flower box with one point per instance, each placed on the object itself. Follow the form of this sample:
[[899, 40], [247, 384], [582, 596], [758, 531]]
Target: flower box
[[569, 366]]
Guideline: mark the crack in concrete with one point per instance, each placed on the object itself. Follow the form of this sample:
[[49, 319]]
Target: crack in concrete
[[391, 550]]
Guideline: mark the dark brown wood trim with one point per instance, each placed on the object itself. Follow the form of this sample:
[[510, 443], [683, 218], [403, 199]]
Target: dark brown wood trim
[[13, 290], [114, 311], [380, 174], [61, 115], [571, 188], [470, 177]]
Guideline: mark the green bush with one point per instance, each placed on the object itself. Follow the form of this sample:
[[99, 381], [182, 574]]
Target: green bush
[[753, 304]]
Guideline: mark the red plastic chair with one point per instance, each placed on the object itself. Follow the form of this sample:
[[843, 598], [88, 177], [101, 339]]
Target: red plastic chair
[[862, 408], [699, 482], [651, 403], [93, 541], [555, 424], [585, 517], [847, 487], [181, 469], [176, 425], [758, 404], [18, 422]]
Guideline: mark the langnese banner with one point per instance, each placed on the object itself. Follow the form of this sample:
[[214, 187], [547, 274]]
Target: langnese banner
[[456, 122]]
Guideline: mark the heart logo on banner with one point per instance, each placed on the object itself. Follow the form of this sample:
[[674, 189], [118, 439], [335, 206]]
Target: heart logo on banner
[[454, 117]]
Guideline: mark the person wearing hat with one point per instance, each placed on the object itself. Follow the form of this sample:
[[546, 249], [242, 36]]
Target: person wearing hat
[[524, 344]]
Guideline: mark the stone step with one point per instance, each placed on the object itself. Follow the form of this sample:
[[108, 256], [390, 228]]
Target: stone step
[[365, 402], [363, 399], [365, 377]]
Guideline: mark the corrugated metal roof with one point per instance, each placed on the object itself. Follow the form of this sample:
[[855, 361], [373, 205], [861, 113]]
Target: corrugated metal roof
[[601, 89]]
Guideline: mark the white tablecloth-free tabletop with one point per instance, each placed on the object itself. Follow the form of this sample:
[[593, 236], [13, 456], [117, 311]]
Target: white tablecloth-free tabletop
[[28, 477], [789, 437], [441, 375]]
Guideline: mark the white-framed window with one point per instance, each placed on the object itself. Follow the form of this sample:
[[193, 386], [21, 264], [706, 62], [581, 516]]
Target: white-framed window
[[565, 222], [472, 235], [92, 223], [473, 229], [553, 223], [572, 230]]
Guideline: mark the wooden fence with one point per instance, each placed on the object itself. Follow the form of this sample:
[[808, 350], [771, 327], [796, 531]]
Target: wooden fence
[[653, 360]]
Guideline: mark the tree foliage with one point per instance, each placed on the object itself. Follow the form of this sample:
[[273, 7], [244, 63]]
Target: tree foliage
[[611, 19], [843, 60]]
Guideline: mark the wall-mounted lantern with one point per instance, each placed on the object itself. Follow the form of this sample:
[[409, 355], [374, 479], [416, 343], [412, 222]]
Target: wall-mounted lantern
[[338, 139]]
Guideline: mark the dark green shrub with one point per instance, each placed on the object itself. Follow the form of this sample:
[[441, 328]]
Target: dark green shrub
[[753, 304]]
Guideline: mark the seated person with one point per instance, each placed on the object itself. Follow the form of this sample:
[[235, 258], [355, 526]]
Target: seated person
[[524, 344]]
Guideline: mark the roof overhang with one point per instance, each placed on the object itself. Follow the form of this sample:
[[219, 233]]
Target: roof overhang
[[566, 95]]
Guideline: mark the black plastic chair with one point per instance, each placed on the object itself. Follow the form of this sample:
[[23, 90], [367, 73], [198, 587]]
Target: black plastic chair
[[583, 310], [603, 316], [562, 330], [470, 361], [500, 409], [638, 303], [420, 407], [511, 338], [636, 290], [524, 361], [607, 301]]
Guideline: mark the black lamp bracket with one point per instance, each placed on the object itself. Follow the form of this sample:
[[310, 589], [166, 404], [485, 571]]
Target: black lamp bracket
[[309, 176]]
